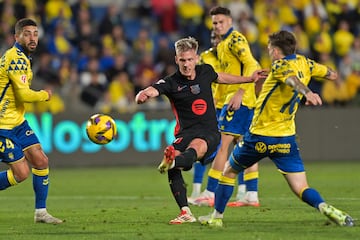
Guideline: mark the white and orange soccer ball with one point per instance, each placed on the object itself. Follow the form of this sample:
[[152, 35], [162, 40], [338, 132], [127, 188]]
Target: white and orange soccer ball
[[101, 128]]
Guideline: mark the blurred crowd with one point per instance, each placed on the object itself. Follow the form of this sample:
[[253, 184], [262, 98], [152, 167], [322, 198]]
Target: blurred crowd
[[98, 56]]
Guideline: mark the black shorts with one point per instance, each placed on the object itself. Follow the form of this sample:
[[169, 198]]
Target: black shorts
[[184, 138]]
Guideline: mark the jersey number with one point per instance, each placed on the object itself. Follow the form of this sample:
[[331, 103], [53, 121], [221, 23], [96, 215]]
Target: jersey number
[[8, 144]]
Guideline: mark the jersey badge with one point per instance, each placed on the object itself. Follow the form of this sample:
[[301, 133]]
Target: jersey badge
[[195, 89]]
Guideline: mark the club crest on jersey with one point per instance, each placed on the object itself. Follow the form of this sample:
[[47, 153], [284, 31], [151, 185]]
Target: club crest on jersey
[[195, 89], [23, 78]]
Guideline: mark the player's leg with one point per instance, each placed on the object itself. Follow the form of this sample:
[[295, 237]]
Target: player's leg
[[298, 184], [17, 173], [199, 170], [196, 149], [12, 154], [178, 189], [292, 167], [40, 170], [242, 156], [207, 197], [250, 197]]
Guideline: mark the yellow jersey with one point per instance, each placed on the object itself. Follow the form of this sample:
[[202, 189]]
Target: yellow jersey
[[219, 90], [15, 81], [236, 58], [278, 102]]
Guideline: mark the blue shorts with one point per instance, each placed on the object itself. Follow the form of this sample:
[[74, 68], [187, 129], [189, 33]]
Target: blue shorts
[[283, 151], [13, 142], [235, 122], [218, 112]]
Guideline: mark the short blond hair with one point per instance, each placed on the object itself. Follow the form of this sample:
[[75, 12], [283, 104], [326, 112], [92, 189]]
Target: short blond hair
[[186, 44]]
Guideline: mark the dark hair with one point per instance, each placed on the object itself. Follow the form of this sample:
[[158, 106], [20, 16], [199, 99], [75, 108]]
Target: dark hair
[[220, 10], [284, 40], [23, 23]]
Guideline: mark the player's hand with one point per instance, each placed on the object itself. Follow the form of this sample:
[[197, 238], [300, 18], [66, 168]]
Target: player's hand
[[313, 99], [235, 102], [259, 75], [49, 91], [141, 97]]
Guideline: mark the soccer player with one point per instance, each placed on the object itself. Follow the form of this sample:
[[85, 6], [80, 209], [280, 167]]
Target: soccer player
[[208, 56], [235, 57], [19, 144], [272, 131], [196, 131]]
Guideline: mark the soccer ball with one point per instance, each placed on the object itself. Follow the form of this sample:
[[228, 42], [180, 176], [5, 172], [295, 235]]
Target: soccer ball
[[101, 128]]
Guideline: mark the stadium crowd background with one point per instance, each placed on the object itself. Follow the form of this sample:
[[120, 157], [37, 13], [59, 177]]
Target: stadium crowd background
[[98, 54]]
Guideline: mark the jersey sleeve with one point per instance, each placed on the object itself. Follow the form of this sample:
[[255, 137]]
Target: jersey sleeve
[[163, 85], [281, 70], [20, 80], [317, 69], [240, 48]]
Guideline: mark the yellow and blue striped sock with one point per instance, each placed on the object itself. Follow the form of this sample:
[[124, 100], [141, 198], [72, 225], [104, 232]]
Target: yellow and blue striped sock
[[7, 179], [213, 179], [41, 186], [251, 181], [223, 193]]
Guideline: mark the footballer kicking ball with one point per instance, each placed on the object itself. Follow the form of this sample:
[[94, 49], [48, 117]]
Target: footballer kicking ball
[[101, 128]]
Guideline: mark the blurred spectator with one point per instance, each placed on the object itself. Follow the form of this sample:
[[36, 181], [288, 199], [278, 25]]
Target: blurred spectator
[[121, 43], [88, 51], [354, 52], [165, 15], [145, 73], [303, 43], [314, 15], [190, 18], [93, 84], [142, 45], [120, 65], [46, 71], [322, 43], [106, 58], [57, 10], [119, 95], [343, 40], [352, 83], [110, 19], [11, 11], [346, 14], [84, 25], [59, 45], [165, 55]]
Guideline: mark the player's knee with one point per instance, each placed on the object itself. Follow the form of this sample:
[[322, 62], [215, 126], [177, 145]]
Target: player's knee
[[40, 162], [21, 174]]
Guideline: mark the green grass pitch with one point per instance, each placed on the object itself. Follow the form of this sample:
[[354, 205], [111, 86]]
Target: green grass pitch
[[135, 203]]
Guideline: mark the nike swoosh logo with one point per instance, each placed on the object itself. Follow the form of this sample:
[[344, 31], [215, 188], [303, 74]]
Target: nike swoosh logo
[[181, 88]]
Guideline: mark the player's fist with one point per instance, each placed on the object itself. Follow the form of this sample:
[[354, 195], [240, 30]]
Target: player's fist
[[141, 97], [49, 91]]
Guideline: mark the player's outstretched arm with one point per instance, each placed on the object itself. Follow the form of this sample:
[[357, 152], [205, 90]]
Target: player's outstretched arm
[[145, 94], [311, 98], [231, 79], [331, 74]]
